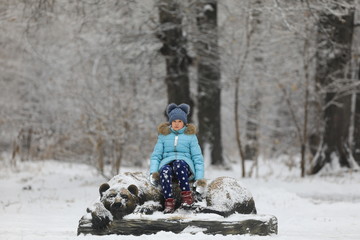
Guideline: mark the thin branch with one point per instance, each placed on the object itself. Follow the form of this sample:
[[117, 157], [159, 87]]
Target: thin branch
[[291, 110]]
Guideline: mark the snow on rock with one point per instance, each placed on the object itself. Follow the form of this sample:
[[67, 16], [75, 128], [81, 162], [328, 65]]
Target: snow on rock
[[227, 196]]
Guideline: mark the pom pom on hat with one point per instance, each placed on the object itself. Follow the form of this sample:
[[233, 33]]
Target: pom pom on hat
[[171, 107], [178, 112], [185, 108]]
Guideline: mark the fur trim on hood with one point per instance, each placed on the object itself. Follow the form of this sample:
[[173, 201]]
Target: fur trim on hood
[[164, 129]]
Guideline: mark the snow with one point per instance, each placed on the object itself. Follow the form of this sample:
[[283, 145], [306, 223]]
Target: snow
[[118, 182], [208, 7], [184, 216], [46, 199], [232, 193], [100, 210]]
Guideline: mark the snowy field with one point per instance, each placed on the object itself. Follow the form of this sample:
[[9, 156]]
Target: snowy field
[[45, 200]]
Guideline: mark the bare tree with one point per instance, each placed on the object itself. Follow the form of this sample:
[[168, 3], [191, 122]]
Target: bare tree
[[332, 75], [88, 78], [354, 132], [239, 73], [209, 89], [174, 50], [258, 69]]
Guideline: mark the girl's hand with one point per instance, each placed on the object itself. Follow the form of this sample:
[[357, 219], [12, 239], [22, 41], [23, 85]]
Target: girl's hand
[[154, 179], [200, 186]]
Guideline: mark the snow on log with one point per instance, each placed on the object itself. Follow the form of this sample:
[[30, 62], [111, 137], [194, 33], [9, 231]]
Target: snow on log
[[135, 224]]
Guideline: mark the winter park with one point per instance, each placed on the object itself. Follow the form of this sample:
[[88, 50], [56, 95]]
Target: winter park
[[179, 119]]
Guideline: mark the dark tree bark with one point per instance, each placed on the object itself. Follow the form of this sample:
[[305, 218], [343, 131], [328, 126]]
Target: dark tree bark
[[356, 144], [355, 67], [253, 111], [333, 56], [174, 51], [209, 92]]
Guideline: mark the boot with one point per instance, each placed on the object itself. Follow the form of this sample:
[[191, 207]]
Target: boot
[[169, 205], [187, 199]]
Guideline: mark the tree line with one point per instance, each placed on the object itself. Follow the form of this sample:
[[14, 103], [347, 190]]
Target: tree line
[[263, 78]]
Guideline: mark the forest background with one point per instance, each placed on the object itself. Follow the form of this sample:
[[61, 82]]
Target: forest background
[[88, 81]]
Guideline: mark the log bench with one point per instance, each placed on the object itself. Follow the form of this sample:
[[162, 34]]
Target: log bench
[[139, 224]]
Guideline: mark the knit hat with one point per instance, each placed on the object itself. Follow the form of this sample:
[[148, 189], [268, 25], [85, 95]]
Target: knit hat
[[178, 112]]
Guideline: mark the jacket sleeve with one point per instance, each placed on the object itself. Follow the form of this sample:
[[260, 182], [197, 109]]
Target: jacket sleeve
[[197, 157], [156, 156]]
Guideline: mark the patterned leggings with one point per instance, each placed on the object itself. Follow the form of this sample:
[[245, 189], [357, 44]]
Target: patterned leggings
[[182, 172]]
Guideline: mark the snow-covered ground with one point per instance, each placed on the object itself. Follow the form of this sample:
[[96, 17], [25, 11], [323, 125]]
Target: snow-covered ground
[[45, 200]]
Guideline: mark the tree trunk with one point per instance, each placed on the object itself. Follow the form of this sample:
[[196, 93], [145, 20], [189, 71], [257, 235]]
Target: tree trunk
[[174, 51], [333, 56], [354, 138], [237, 127], [253, 111], [306, 109], [356, 143], [252, 124], [100, 153], [209, 98], [117, 156]]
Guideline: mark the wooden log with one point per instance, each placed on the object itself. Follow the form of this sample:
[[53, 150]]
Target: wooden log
[[234, 225]]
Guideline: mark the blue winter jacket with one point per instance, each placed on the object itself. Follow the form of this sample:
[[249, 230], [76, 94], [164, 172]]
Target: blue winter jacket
[[178, 145]]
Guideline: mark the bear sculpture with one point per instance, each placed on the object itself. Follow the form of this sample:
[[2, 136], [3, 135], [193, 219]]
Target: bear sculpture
[[129, 193]]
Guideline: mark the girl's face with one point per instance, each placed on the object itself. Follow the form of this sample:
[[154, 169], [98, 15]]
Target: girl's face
[[177, 125]]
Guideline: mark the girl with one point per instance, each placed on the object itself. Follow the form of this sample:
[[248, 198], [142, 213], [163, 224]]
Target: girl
[[177, 154]]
